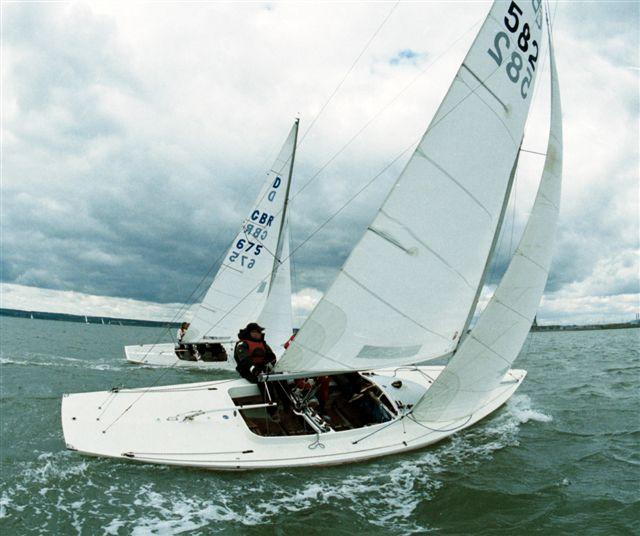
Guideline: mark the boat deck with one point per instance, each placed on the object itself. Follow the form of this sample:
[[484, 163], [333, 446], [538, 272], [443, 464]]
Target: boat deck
[[361, 404]]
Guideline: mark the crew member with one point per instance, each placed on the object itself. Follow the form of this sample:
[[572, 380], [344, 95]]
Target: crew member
[[254, 356], [182, 331]]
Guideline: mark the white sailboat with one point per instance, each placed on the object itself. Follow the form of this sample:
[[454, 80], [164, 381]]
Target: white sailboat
[[252, 284], [431, 242]]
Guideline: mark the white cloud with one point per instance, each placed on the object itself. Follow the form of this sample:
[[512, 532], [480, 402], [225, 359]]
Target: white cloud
[[77, 303], [566, 308], [303, 303]]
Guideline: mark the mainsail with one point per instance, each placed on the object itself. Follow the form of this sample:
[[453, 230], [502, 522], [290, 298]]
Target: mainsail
[[486, 355], [251, 281], [407, 290]]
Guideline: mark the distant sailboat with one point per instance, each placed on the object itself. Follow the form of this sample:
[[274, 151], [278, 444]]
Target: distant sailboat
[[406, 293], [252, 284], [86, 320]]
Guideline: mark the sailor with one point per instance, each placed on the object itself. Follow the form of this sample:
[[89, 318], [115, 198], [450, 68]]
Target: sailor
[[182, 331], [314, 390], [252, 354]]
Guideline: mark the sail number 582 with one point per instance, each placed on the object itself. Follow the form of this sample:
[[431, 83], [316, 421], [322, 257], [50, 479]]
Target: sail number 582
[[522, 35]]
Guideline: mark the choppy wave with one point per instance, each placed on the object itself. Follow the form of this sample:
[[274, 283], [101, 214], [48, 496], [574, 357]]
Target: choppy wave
[[46, 360], [520, 407], [526, 466]]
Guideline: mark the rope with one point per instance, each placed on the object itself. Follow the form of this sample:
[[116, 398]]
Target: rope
[[394, 421], [384, 108], [337, 88], [459, 427], [317, 443]]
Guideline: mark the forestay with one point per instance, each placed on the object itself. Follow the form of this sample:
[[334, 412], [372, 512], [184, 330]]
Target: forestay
[[409, 286], [241, 288], [485, 356]]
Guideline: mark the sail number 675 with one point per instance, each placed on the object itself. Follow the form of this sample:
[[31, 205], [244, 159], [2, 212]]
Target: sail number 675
[[245, 246]]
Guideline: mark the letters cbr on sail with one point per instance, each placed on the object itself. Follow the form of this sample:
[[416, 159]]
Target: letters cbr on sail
[[253, 282]]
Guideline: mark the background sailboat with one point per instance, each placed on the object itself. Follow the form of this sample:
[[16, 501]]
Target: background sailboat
[[406, 406], [252, 283]]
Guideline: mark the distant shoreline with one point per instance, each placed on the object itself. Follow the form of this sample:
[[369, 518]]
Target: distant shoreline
[[87, 319], [587, 327], [92, 319]]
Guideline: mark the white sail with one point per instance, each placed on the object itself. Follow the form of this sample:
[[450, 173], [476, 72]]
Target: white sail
[[408, 288], [240, 289], [486, 355], [276, 317]]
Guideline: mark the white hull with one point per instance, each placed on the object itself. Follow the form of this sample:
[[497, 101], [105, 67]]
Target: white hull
[[164, 355], [150, 425]]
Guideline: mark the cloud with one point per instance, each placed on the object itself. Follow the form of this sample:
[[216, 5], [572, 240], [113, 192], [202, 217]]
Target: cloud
[[25, 298], [303, 303], [568, 308], [134, 141], [77, 303]]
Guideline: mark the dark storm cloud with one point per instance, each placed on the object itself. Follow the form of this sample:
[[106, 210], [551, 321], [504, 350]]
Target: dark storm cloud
[[119, 223], [110, 211]]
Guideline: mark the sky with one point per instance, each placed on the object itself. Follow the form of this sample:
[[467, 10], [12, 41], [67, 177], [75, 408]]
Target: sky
[[135, 137]]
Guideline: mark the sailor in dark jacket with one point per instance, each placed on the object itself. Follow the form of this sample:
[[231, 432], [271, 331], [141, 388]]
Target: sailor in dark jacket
[[252, 354]]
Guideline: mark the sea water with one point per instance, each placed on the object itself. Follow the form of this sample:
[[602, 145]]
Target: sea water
[[562, 457]]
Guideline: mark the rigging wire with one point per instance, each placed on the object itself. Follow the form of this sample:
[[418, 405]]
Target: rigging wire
[[428, 66], [326, 221], [198, 291], [337, 88]]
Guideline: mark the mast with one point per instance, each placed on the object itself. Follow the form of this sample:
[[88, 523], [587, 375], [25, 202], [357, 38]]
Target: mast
[[239, 290], [494, 243], [276, 258]]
